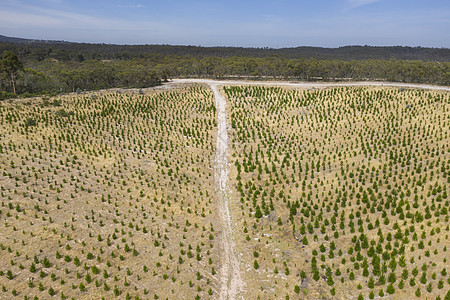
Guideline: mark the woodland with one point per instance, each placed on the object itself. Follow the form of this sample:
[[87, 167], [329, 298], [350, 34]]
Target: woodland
[[51, 67]]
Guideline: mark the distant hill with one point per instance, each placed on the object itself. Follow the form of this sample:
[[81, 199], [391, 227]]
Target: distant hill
[[370, 52], [16, 40], [69, 50]]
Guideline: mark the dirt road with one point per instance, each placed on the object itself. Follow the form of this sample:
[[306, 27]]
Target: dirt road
[[230, 277], [311, 84]]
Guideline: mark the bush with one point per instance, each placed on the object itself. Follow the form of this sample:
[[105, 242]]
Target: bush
[[5, 95], [63, 113], [256, 265], [390, 289], [418, 293], [30, 122], [9, 275]]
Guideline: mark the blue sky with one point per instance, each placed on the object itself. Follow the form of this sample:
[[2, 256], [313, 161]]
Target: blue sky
[[263, 23]]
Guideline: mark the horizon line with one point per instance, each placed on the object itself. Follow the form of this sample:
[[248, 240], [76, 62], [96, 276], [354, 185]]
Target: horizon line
[[219, 46]]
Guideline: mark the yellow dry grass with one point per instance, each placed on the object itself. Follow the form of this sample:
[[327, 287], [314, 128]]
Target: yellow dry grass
[[343, 177], [115, 189]]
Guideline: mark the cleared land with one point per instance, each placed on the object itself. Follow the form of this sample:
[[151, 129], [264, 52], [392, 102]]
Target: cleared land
[[284, 191], [231, 282], [108, 195], [341, 192]]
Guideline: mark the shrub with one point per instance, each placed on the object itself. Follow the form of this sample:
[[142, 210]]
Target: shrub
[[418, 293], [390, 289], [256, 265]]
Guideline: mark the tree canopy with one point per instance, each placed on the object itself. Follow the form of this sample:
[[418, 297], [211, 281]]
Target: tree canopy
[[10, 64], [56, 67]]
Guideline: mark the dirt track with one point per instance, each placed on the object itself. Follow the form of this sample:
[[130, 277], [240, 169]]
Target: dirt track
[[230, 276], [311, 84]]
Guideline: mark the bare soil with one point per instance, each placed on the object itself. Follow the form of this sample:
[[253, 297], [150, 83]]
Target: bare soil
[[230, 277]]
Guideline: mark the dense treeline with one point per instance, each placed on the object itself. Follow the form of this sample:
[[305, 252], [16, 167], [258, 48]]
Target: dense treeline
[[53, 76], [49, 68], [309, 69], [40, 50]]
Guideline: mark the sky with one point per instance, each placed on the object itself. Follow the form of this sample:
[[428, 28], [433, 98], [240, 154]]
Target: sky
[[241, 23]]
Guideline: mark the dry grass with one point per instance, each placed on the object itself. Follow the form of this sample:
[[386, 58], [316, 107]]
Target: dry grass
[[115, 185], [343, 170], [113, 193]]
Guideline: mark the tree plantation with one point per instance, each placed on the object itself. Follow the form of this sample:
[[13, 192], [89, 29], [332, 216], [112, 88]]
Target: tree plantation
[[341, 192], [108, 194], [333, 193]]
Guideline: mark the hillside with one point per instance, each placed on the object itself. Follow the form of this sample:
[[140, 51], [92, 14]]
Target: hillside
[[240, 190], [17, 40], [59, 67], [110, 51]]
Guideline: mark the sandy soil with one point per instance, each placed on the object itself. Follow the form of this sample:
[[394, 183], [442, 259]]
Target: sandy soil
[[310, 84], [230, 276]]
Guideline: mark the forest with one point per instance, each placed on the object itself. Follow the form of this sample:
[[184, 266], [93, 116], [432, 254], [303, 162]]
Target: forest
[[47, 67]]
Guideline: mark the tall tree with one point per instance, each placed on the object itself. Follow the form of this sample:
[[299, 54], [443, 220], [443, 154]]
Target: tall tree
[[11, 65]]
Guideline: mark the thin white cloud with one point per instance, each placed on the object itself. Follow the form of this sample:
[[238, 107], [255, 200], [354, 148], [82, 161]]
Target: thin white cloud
[[364, 27], [54, 1], [10, 19], [357, 3], [130, 6], [44, 23], [272, 18], [37, 17]]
